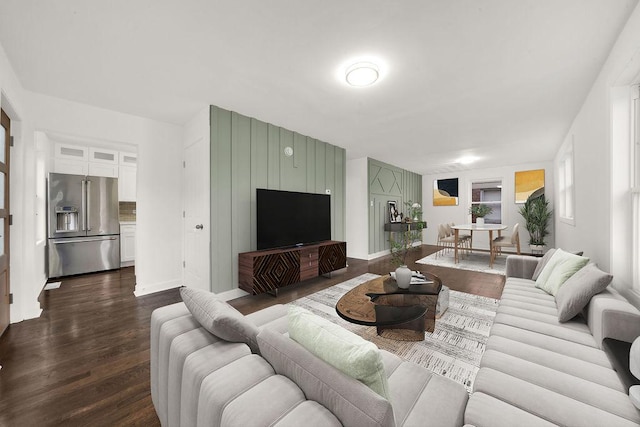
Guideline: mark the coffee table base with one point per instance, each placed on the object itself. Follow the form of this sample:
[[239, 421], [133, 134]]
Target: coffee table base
[[409, 331]]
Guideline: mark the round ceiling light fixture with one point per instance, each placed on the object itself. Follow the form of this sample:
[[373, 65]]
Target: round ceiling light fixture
[[362, 74]]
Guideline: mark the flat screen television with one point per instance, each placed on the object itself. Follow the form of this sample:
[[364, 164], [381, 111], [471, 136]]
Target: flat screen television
[[288, 218]]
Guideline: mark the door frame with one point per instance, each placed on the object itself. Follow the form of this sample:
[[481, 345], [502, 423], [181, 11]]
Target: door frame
[[5, 213]]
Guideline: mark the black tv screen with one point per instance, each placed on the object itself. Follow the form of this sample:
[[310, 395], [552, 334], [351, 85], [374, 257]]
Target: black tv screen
[[287, 218]]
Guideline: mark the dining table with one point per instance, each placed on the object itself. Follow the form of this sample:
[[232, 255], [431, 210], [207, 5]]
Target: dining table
[[476, 227]]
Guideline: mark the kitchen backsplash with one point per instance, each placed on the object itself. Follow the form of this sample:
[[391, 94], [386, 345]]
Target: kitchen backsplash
[[127, 211]]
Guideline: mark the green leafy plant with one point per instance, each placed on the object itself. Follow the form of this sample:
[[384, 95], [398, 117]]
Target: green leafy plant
[[537, 215], [480, 211], [403, 242]]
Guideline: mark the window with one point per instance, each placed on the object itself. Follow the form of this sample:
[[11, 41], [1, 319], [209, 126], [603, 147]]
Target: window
[[635, 191], [488, 193], [565, 185]]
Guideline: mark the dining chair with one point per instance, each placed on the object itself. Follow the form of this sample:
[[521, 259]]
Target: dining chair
[[512, 241], [465, 240], [445, 239]]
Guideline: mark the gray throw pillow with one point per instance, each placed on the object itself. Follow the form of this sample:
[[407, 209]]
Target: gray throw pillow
[[219, 318], [577, 291], [541, 263]]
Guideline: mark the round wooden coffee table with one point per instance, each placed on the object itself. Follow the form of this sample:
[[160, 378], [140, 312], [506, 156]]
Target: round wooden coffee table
[[403, 314]]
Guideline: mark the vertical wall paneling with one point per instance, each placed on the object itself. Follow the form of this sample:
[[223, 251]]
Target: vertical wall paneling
[[259, 169], [338, 192], [221, 200], [273, 160], [386, 183], [311, 165], [247, 154]]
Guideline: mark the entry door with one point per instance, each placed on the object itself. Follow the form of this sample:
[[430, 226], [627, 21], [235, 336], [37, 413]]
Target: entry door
[[4, 222], [196, 215]]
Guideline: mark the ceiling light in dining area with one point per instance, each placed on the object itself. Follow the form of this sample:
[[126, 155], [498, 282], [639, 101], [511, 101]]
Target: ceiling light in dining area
[[362, 74]]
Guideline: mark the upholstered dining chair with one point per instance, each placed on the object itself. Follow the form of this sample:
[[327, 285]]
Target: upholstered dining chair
[[445, 240], [512, 241], [464, 240]]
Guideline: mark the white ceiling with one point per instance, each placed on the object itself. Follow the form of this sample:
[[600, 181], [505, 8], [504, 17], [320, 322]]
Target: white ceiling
[[497, 79]]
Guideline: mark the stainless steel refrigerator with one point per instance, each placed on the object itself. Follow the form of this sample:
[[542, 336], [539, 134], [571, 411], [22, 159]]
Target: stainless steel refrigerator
[[83, 224]]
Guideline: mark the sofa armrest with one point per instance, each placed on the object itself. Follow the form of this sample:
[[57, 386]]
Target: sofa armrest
[[611, 316], [521, 266]]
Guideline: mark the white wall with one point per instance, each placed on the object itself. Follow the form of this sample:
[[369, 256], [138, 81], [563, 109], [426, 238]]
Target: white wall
[[435, 215], [357, 191], [159, 200], [599, 144], [27, 259]]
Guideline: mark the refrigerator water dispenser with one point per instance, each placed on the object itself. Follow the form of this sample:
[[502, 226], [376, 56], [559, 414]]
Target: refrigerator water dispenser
[[66, 219]]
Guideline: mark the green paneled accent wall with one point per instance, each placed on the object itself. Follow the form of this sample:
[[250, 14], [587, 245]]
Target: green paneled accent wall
[[247, 154], [388, 183]]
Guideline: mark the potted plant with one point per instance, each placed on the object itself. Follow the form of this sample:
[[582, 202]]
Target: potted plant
[[479, 212], [536, 214], [402, 242]]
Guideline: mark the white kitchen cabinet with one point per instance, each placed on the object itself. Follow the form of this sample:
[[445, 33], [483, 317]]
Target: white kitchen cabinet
[[127, 244], [127, 183], [103, 162], [101, 169], [128, 159], [71, 166], [103, 155], [70, 159], [72, 152]]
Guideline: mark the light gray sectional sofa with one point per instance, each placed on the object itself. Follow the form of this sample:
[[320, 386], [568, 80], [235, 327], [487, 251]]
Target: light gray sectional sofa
[[537, 371], [198, 379]]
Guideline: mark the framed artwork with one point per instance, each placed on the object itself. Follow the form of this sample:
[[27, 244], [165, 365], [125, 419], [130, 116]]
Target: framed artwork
[[529, 184], [445, 192], [394, 214]]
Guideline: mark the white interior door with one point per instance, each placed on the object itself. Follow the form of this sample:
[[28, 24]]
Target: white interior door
[[196, 215]]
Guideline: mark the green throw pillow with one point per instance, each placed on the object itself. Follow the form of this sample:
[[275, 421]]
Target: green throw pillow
[[560, 267], [343, 350]]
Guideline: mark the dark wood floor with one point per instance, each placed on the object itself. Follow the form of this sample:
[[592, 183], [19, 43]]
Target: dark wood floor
[[85, 361]]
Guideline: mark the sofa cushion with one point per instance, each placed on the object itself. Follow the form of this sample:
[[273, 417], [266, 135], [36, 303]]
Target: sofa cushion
[[340, 348], [576, 292], [349, 399], [552, 404], [219, 318], [560, 267], [419, 395]]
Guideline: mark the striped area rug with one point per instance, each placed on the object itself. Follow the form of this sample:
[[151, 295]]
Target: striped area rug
[[452, 350]]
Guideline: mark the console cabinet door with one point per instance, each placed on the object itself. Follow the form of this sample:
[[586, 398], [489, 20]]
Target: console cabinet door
[[332, 257], [275, 270]]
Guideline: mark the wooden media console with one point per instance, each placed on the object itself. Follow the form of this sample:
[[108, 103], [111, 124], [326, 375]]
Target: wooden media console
[[271, 269]]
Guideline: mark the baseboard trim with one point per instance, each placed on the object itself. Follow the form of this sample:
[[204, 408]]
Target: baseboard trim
[[142, 290], [232, 294]]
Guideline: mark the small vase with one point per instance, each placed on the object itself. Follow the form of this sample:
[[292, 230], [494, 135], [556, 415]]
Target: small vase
[[479, 221], [403, 277]]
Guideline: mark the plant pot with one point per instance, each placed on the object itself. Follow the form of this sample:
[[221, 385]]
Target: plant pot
[[403, 277], [479, 221]]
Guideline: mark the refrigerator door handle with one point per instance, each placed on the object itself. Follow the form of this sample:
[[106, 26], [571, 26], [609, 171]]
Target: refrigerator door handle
[[88, 205], [65, 241], [83, 216]]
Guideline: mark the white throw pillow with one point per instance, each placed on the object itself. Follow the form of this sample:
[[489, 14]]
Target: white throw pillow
[[342, 349], [560, 267]]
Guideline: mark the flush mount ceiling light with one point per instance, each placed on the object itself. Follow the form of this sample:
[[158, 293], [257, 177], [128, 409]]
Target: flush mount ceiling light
[[467, 160], [362, 74]]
